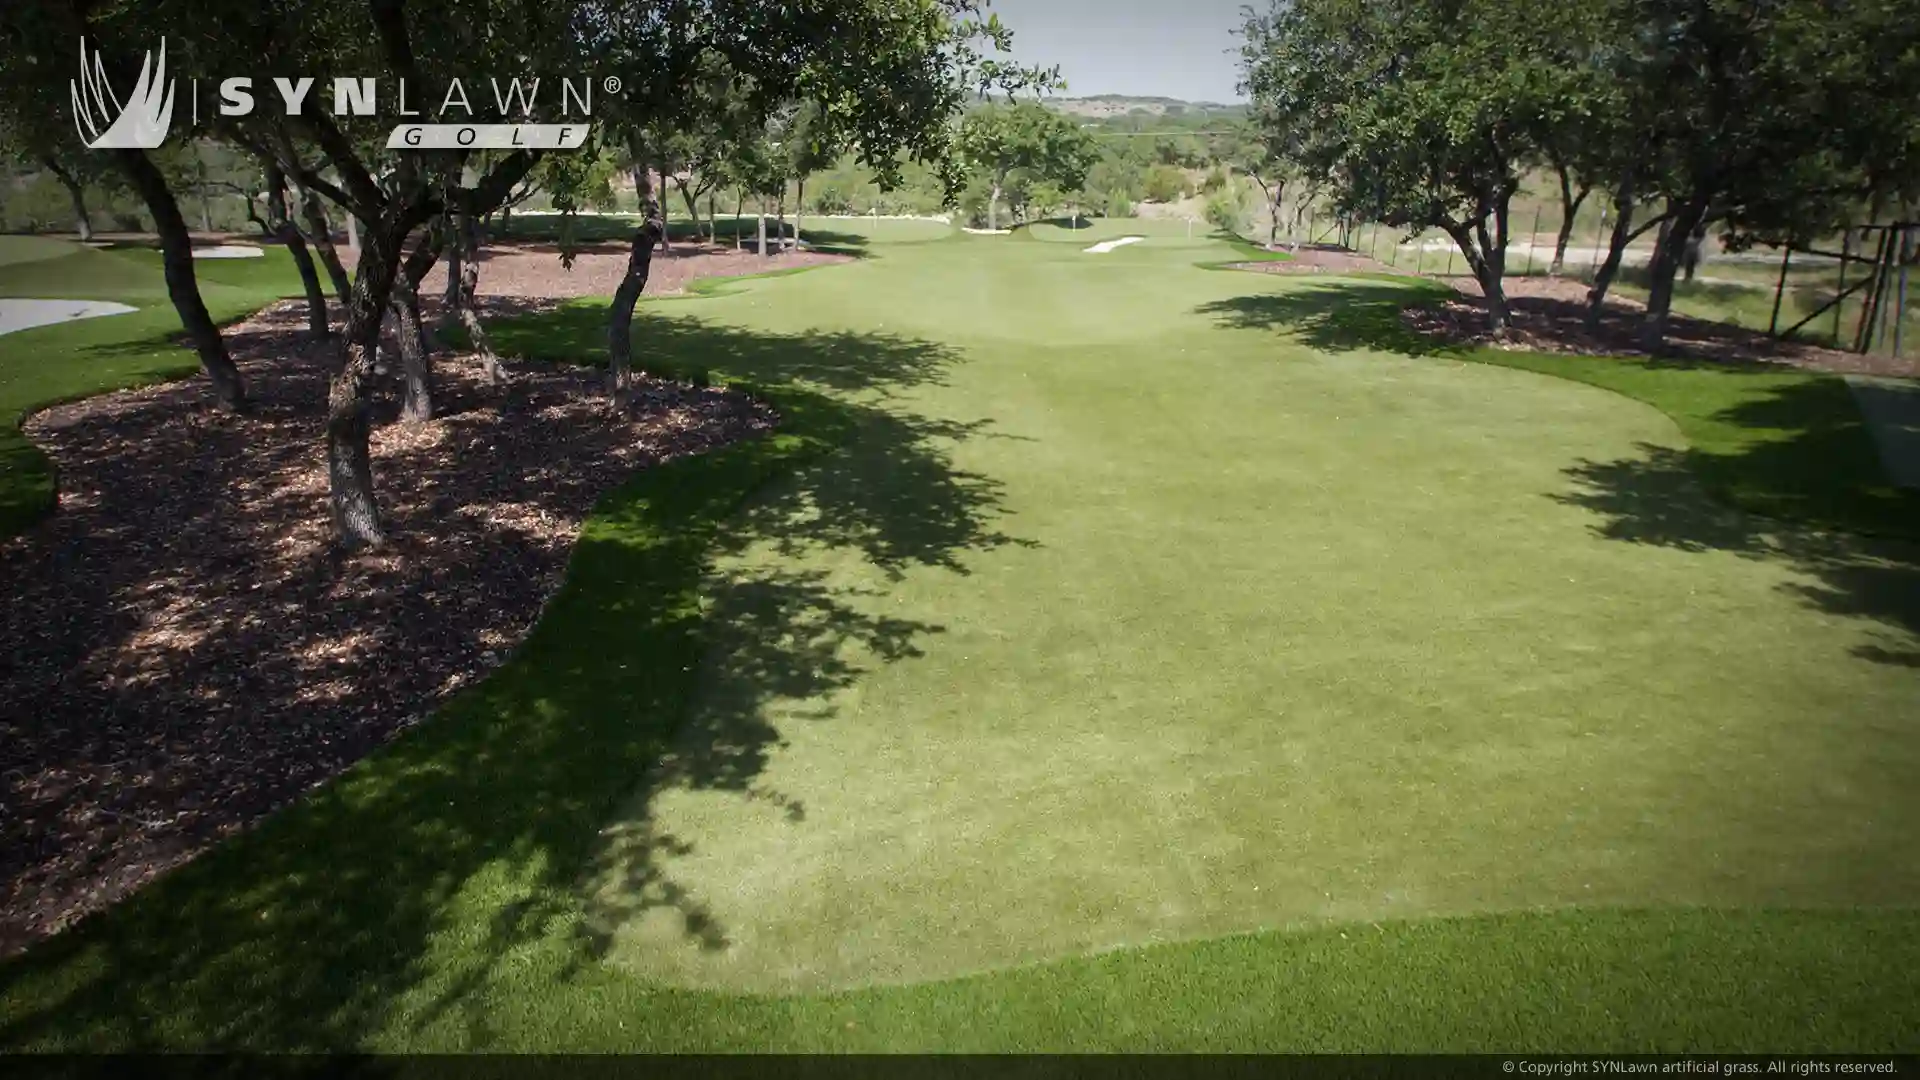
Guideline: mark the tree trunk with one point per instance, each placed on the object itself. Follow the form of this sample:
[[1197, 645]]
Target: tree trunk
[[1667, 256], [356, 517], [1487, 257], [466, 243], [713, 218], [693, 207], [416, 351], [416, 368], [1692, 250], [76, 194], [320, 236], [799, 210], [632, 284], [280, 224], [620, 321], [353, 231], [993, 207], [763, 226], [660, 196], [206, 212], [183, 289], [310, 282], [1603, 275], [450, 297], [1570, 201], [1276, 197], [780, 221], [739, 241]]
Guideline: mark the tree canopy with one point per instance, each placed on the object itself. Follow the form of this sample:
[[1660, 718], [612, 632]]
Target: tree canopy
[[1767, 116]]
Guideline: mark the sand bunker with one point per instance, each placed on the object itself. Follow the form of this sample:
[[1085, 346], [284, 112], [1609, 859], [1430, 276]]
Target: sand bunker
[[22, 314], [1105, 246], [228, 251]]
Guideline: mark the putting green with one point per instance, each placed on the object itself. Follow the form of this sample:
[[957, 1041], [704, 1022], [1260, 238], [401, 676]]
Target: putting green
[[1199, 630]]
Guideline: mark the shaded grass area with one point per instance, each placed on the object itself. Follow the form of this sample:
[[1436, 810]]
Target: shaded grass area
[[1788, 444], [61, 362], [834, 235], [429, 898]]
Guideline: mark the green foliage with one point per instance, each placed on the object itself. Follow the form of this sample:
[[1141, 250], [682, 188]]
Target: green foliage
[[1227, 211], [1027, 137], [1165, 183]]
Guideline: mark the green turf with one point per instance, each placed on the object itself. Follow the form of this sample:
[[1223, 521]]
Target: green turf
[[1086, 603], [47, 364], [24, 249], [1788, 444]]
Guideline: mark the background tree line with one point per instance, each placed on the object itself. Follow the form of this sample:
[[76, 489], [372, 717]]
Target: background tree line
[[1762, 120]]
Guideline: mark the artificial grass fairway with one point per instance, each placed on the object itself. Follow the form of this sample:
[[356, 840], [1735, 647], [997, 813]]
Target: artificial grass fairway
[[1088, 607]]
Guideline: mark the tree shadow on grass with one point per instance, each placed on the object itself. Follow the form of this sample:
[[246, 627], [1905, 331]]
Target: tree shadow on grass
[[1336, 316], [1665, 498], [394, 897], [616, 232], [1788, 448]]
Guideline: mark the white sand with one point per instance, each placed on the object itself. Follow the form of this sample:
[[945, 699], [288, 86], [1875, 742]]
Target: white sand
[[1105, 246], [989, 232], [22, 314], [228, 251]]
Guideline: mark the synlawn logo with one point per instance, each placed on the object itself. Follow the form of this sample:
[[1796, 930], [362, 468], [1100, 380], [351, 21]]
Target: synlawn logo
[[106, 124], [142, 123]]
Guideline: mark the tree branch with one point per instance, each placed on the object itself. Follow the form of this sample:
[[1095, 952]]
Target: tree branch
[[362, 192]]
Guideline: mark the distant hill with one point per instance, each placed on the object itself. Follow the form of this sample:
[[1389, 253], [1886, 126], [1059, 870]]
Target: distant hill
[[1101, 106]]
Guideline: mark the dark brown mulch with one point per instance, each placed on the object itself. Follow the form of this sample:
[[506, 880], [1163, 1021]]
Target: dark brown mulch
[[186, 651], [1319, 259], [534, 269], [1549, 315]]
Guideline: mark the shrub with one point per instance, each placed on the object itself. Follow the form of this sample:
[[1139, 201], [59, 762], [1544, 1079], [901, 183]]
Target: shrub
[[832, 200], [1226, 212], [1119, 206], [1165, 183]]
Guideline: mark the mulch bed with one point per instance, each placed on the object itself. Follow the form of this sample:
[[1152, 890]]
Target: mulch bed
[[534, 270], [1319, 259], [1549, 315], [188, 652]]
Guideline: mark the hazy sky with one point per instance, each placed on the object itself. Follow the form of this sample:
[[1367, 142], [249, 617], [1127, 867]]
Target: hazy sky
[[1151, 48]]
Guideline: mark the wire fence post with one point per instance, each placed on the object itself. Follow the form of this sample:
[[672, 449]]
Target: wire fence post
[[1453, 248], [1780, 290], [1839, 295], [1532, 237], [1420, 260], [1594, 265], [1900, 297], [1393, 254]]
